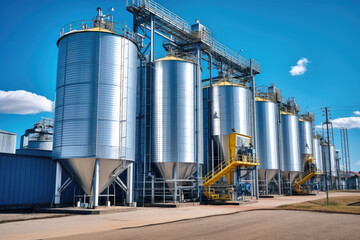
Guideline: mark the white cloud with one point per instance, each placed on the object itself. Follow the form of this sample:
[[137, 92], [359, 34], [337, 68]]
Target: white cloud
[[345, 122], [357, 112], [357, 163], [300, 68], [23, 102]]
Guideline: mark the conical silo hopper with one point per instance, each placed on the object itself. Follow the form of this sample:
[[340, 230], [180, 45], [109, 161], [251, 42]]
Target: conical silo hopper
[[94, 132]]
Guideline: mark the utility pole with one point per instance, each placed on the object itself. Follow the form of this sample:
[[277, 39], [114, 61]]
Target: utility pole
[[326, 184], [347, 149], [328, 140], [342, 150]]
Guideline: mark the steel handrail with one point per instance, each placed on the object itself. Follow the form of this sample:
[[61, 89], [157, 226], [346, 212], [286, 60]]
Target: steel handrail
[[83, 25], [238, 158], [183, 25], [307, 173]]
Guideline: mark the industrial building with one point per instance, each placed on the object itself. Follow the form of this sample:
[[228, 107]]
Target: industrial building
[[156, 130]]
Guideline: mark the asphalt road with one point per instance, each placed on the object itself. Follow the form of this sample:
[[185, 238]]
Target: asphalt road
[[261, 224]]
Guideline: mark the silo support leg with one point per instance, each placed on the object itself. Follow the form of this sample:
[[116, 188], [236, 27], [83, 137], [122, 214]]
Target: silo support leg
[[58, 183], [129, 192], [95, 202]]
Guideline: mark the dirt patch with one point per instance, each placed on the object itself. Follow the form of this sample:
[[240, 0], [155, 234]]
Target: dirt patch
[[348, 204]]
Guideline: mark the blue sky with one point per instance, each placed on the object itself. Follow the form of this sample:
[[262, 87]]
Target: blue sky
[[276, 33]]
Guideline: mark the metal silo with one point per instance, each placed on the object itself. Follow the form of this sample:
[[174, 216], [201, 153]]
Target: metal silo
[[267, 122], [268, 137], [173, 112], [231, 112], [306, 138], [317, 153], [291, 161], [331, 159], [94, 135]]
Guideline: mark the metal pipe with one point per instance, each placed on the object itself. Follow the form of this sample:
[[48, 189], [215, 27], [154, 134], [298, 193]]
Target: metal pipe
[[209, 103], [252, 78], [152, 54], [279, 139], [198, 124]]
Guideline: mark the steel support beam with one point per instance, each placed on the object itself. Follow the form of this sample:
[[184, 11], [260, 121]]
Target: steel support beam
[[58, 183], [95, 202], [130, 184]]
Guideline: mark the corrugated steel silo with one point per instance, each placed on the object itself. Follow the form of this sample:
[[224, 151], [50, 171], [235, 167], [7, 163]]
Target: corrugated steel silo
[[318, 153], [231, 112], [291, 161], [95, 102], [306, 141], [267, 118], [173, 118], [327, 160]]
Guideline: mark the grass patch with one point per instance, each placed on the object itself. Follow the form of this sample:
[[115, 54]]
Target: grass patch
[[336, 204]]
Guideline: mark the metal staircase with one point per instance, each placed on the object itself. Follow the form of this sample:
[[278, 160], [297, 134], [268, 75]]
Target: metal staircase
[[303, 177], [210, 193], [226, 168]]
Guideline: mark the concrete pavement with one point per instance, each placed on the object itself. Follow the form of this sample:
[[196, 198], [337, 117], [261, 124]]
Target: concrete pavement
[[74, 225]]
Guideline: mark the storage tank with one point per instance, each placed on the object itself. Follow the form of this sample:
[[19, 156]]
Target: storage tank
[[291, 161], [40, 137], [267, 144], [95, 101], [306, 142], [318, 160], [173, 118], [231, 112], [7, 142], [325, 153]]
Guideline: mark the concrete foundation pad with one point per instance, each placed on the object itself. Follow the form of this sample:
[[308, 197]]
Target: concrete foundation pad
[[85, 211], [234, 203], [170, 205], [266, 196]]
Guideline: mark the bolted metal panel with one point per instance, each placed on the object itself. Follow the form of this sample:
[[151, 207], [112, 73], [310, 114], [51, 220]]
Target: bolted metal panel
[[95, 104], [291, 161], [318, 153], [306, 141], [173, 118], [267, 118]]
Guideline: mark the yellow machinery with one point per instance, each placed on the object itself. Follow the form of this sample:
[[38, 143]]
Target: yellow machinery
[[303, 177], [235, 140]]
